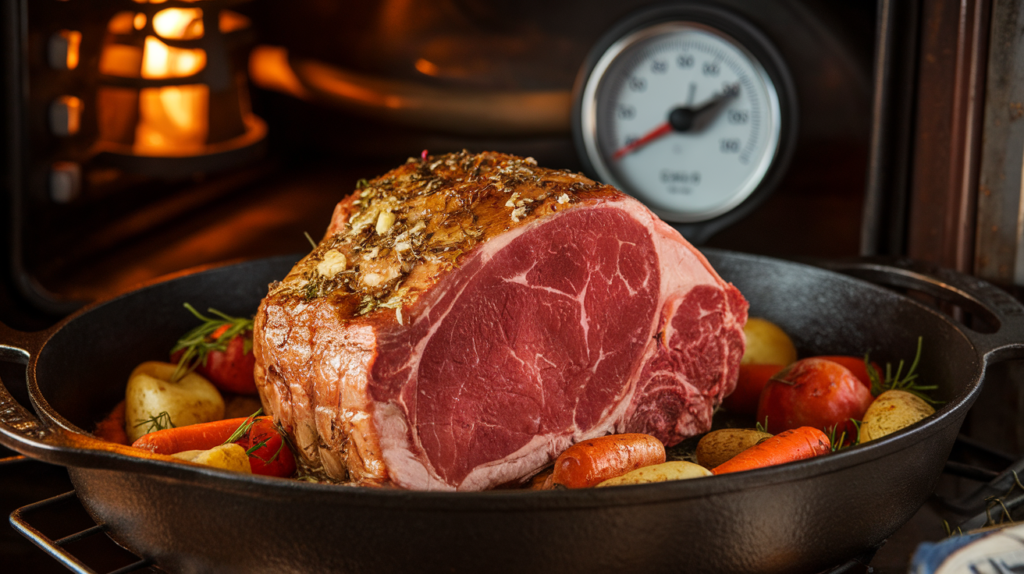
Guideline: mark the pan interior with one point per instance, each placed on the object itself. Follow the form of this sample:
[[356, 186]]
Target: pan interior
[[82, 371]]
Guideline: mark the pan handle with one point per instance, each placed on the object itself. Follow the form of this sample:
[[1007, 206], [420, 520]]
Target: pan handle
[[20, 347], [977, 296], [17, 423], [22, 431]]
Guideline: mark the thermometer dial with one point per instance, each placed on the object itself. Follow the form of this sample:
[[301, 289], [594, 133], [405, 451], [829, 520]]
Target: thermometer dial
[[688, 110]]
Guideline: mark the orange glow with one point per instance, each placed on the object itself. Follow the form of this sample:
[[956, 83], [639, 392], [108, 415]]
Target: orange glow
[[172, 120], [121, 23], [164, 120], [231, 21], [179, 23], [121, 60], [162, 61], [74, 42], [269, 68], [426, 67]]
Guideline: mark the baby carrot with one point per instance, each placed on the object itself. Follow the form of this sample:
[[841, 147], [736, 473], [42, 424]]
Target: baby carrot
[[593, 461], [202, 436], [787, 446], [111, 428]]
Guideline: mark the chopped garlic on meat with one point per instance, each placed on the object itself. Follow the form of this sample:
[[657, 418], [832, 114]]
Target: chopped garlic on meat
[[518, 213], [512, 200], [384, 222], [564, 198], [398, 315], [334, 262], [373, 279]]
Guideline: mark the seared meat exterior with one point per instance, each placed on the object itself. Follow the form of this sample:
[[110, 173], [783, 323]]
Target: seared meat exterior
[[467, 317]]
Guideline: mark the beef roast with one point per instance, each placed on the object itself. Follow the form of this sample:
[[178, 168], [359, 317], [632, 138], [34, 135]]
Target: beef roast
[[468, 317]]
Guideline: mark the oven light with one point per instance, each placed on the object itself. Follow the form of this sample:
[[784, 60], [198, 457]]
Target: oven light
[[66, 116], [62, 51]]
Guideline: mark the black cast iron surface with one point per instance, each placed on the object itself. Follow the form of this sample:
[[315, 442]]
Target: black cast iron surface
[[800, 517]]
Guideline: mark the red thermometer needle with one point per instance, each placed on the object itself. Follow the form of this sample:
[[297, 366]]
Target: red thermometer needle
[[654, 134]]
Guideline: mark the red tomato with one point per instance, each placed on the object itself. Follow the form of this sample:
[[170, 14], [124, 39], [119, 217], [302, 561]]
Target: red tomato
[[856, 366], [230, 370], [263, 460], [816, 393], [748, 388]]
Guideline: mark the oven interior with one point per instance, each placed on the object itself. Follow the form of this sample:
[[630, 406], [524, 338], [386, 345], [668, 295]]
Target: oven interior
[[124, 161]]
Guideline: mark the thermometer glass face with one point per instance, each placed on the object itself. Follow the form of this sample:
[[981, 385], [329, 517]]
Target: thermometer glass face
[[682, 117]]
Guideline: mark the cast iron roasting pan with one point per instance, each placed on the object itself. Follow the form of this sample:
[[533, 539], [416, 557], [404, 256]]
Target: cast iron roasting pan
[[799, 517]]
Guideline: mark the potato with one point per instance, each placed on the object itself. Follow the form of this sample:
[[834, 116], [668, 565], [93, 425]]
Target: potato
[[672, 470], [719, 446], [890, 412], [188, 401], [767, 344], [227, 456]]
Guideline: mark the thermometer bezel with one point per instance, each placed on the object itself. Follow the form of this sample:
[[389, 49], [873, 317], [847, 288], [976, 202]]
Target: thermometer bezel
[[751, 43]]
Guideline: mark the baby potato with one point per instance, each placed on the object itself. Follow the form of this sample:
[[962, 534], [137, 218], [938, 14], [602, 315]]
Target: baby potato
[[719, 446], [226, 456], [890, 412], [673, 470], [767, 344], [150, 392]]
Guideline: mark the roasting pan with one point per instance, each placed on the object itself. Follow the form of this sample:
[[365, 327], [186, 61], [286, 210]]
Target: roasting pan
[[799, 517]]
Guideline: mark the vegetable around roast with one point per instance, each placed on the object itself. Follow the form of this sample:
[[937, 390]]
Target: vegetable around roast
[[260, 438], [815, 405], [220, 349]]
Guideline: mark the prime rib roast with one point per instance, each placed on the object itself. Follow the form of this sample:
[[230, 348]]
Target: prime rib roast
[[467, 317]]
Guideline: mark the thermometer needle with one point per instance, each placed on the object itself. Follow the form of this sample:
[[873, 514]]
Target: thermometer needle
[[683, 119], [654, 134]]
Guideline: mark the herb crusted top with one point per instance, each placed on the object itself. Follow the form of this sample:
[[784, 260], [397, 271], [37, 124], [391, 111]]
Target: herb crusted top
[[396, 233]]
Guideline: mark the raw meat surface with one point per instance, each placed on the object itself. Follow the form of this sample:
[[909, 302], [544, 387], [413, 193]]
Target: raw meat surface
[[569, 311]]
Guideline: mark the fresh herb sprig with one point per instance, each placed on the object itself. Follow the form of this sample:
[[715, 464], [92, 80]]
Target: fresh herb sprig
[[157, 422], [212, 335], [838, 445], [244, 428], [898, 381]]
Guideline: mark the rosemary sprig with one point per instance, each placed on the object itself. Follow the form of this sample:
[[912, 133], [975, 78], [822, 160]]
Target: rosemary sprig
[[244, 428], [252, 449], [212, 335], [762, 427], [310, 239], [898, 381], [158, 422], [841, 443]]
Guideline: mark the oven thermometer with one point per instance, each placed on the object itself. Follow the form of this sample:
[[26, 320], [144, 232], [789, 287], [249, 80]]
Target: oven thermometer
[[688, 109]]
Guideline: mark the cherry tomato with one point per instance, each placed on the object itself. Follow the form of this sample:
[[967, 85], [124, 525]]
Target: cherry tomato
[[813, 392], [230, 370], [748, 388]]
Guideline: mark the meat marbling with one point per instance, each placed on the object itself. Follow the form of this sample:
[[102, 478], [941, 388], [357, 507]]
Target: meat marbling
[[467, 317]]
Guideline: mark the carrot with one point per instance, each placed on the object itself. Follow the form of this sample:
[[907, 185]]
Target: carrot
[[111, 428], [268, 454], [855, 365], [787, 446], [590, 462]]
